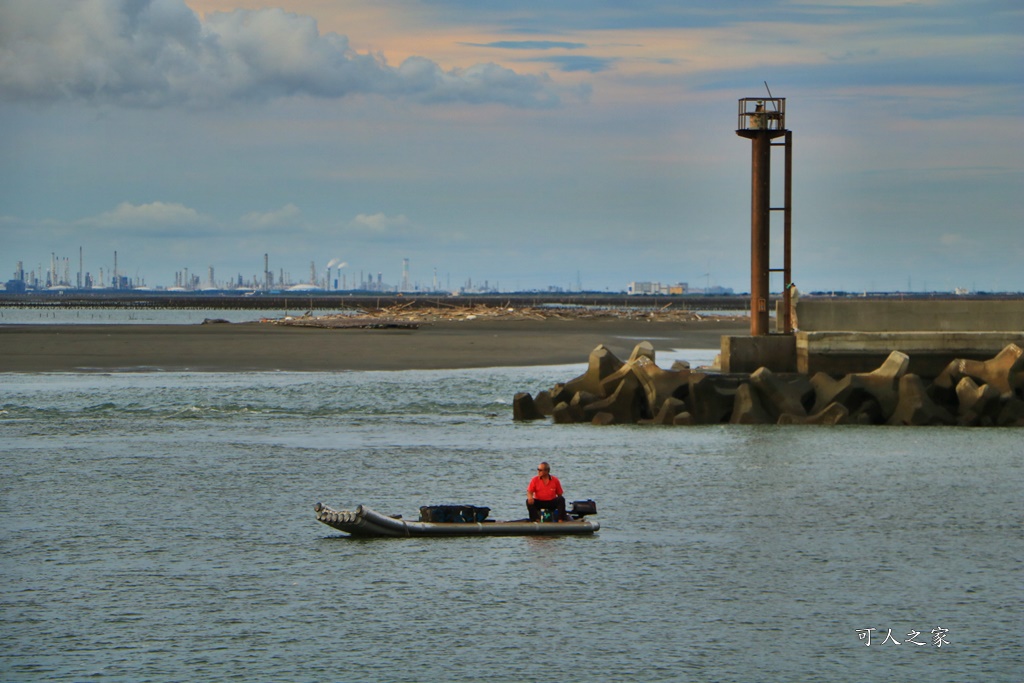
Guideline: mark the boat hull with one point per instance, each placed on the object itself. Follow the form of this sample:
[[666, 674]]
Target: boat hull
[[368, 523]]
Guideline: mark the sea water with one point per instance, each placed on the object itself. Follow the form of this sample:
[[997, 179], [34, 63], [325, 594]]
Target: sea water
[[160, 526], [142, 315]]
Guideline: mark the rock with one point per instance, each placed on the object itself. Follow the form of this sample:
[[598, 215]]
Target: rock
[[747, 408], [833, 414], [780, 396], [602, 363], [915, 407], [603, 419], [523, 407]]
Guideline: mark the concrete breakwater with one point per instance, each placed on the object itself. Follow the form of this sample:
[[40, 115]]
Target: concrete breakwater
[[636, 391]]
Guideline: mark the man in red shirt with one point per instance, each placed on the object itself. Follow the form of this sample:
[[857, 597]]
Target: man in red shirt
[[545, 493]]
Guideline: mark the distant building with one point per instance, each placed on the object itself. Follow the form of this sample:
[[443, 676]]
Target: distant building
[[656, 288]]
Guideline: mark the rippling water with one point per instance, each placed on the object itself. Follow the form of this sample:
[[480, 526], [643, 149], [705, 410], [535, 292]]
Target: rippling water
[[160, 527], [101, 315]]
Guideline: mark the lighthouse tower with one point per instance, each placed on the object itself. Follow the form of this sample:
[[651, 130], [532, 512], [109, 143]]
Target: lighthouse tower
[[762, 120]]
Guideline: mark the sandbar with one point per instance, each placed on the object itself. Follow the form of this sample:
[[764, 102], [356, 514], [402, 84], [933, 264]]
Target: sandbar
[[256, 346]]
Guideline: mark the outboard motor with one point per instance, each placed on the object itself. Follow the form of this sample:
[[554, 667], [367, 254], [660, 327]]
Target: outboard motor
[[582, 508]]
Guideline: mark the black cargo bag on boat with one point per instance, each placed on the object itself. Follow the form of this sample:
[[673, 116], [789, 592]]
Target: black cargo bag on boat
[[583, 507], [448, 514]]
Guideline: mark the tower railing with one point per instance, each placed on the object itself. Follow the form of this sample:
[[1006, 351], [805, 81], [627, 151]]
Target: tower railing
[[762, 113]]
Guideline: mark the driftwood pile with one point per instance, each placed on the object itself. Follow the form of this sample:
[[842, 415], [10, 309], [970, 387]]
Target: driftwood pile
[[967, 393], [416, 313]]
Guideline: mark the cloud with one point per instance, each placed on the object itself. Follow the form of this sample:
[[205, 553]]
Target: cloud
[[530, 45], [579, 62], [153, 218], [150, 53], [288, 215], [381, 225]]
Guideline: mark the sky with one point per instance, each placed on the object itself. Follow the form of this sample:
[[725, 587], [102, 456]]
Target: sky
[[526, 144]]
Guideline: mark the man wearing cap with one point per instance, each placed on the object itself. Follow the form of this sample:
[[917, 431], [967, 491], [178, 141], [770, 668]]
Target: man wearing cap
[[545, 493]]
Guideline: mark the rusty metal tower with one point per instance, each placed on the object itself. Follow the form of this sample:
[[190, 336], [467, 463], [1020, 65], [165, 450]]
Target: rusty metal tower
[[762, 120]]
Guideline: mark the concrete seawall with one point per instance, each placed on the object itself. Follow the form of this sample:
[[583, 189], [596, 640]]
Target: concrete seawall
[[840, 336], [852, 315]]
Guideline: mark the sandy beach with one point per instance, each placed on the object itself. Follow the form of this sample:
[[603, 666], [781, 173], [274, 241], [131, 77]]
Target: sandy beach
[[268, 347]]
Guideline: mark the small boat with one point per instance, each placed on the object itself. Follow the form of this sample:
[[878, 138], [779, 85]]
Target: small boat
[[367, 523]]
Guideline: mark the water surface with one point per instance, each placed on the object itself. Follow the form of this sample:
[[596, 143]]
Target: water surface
[[159, 526]]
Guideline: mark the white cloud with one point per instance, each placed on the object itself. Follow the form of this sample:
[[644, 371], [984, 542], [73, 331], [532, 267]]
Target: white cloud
[[380, 224], [287, 215], [158, 52], [156, 216]]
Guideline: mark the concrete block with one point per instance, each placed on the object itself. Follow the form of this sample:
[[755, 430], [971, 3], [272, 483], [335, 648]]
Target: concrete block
[[915, 407], [1012, 413], [562, 415], [524, 408], [711, 397], [974, 399], [543, 402], [853, 389], [667, 413], [779, 395], [624, 374], [832, 414], [660, 385], [579, 403], [746, 354], [869, 413], [642, 350], [626, 405], [1000, 371], [600, 364], [747, 408], [684, 418]]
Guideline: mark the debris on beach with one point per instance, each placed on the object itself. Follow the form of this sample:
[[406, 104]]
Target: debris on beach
[[413, 314]]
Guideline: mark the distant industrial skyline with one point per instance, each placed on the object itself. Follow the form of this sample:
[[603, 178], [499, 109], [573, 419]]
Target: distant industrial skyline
[[63, 272], [529, 144]]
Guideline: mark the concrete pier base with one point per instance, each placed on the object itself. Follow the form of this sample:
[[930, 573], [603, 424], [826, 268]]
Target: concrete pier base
[[841, 353]]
